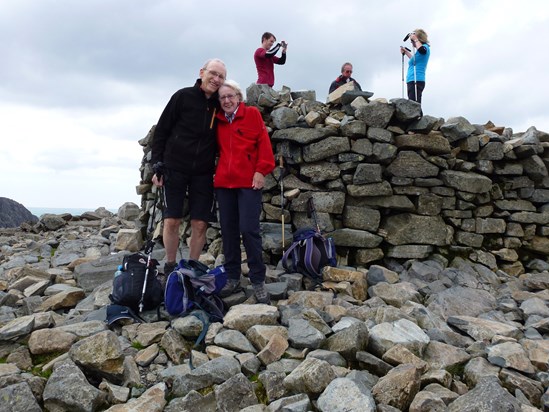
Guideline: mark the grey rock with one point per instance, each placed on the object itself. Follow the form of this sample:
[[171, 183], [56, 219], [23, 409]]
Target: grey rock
[[12, 213], [191, 402], [411, 164], [403, 332], [67, 389], [344, 394], [325, 148], [234, 340], [235, 394], [312, 375], [466, 181], [457, 128], [348, 341], [433, 143], [399, 387], [487, 396], [406, 110], [293, 403], [414, 229], [273, 383], [302, 335], [375, 114], [302, 136], [216, 371], [18, 397]]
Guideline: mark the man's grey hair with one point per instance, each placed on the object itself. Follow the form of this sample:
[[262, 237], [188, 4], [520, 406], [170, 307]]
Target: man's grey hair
[[215, 60], [236, 87]]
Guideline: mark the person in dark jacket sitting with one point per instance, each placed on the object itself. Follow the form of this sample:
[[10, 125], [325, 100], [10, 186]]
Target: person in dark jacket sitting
[[245, 158], [183, 157], [345, 77]]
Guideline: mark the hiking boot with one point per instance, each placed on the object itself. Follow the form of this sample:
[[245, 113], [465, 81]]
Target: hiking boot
[[261, 293], [169, 267], [232, 286]]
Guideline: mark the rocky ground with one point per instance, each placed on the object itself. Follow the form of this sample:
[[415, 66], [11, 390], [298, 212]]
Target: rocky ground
[[440, 334]]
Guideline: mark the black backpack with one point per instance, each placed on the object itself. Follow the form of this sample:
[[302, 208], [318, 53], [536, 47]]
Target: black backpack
[[127, 286]]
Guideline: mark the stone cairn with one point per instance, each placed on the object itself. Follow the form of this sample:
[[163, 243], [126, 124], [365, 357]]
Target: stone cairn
[[439, 301], [388, 185]]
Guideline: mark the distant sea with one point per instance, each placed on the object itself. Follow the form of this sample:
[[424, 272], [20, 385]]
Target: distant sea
[[39, 211]]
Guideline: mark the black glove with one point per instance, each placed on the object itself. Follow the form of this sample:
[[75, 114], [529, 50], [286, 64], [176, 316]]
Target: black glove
[[158, 169]]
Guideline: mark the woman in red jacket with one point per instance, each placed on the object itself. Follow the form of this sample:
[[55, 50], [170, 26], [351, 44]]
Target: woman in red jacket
[[245, 158]]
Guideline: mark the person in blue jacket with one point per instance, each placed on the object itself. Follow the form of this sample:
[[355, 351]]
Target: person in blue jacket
[[417, 63]]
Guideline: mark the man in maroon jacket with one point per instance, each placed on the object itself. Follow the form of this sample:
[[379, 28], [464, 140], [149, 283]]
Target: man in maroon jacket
[[265, 58]]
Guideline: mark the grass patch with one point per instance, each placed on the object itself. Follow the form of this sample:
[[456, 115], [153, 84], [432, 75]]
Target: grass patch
[[259, 389], [205, 391], [37, 371], [39, 361], [44, 358], [138, 345], [456, 370]]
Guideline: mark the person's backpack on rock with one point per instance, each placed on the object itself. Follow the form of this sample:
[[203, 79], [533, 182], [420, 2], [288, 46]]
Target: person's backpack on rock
[[193, 286], [309, 252], [129, 289]]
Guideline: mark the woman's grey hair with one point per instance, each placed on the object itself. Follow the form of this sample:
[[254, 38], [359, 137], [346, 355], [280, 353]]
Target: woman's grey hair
[[236, 87]]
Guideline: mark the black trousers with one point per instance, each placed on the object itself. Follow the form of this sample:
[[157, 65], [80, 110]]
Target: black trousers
[[412, 91], [239, 211]]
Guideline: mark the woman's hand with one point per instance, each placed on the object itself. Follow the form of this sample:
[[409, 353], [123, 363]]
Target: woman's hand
[[258, 181]]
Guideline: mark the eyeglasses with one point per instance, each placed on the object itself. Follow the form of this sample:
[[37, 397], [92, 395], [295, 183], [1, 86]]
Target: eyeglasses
[[227, 97], [348, 71], [215, 74]]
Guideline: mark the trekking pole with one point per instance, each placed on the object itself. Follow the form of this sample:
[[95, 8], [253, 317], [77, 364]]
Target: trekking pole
[[415, 79], [403, 75], [311, 211], [281, 165], [148, 251], [405, 48]]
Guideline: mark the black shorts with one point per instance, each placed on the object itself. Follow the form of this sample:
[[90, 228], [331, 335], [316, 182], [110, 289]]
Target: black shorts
[[199, 190]]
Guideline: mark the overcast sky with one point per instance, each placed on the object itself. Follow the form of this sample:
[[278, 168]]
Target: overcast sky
[[82, 81]]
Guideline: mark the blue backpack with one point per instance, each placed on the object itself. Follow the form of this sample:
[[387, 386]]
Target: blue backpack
[[309, 253], [192, 286]]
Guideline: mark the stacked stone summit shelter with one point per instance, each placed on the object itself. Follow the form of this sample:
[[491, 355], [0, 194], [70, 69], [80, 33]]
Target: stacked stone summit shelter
[[386, 185]]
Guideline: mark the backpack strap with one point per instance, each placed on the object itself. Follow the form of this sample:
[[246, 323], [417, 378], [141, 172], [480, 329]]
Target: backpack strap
[[205, 325], [291, 251], [212, 305], [312, 259], [188, 290], [207, 310]]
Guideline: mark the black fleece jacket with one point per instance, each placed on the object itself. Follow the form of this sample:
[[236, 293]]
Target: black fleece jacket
[[184, 137]]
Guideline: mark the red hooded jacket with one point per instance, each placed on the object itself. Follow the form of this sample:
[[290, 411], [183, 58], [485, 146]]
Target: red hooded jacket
[[244, 148]]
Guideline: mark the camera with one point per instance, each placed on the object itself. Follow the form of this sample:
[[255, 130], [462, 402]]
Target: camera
[[408, 36], [283, 44]]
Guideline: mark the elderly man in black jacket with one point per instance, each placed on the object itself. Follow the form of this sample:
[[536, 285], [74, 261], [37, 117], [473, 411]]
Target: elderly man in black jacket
[[183, 158]]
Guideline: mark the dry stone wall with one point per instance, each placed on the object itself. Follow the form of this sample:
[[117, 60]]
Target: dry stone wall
[[387, 183]]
